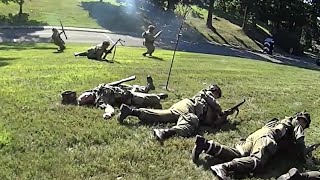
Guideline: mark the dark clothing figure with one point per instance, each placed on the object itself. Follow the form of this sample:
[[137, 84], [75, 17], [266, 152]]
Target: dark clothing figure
[[57, 40]]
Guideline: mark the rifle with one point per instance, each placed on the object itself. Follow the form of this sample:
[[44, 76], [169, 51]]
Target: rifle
[[116, 83], [235, 108], [64, 32], [112, 47]]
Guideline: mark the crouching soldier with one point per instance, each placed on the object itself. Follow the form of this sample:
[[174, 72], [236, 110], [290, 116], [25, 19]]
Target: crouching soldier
[[97, 52], [56, 38], [258, 148], [294, 174], [188, 114], [268, 45]]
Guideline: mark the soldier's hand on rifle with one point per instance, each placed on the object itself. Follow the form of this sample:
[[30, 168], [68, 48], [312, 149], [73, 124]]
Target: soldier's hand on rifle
[[229, 112]]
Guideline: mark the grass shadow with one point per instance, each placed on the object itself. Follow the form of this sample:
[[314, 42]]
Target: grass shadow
[[156, 58], [219, 35], [15, 19]]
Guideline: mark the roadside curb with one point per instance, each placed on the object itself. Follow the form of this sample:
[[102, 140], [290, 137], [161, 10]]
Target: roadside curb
[[70, 29]]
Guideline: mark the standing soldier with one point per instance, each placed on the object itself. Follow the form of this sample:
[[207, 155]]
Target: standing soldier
[[203, 109], [294, 174], [95, 52], [56, 38], [258, 148], [149, 39]]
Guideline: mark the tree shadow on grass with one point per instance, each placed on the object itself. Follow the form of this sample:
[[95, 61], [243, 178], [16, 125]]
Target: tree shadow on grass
[[135, 16], [4, 61], [16, 20]]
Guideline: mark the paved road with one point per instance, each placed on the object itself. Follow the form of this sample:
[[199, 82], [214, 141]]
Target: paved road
[[95, 36]]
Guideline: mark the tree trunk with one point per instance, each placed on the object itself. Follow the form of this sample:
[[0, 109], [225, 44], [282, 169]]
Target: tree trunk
[[244, 23], [170, 5], [210, 11], [20, 9]]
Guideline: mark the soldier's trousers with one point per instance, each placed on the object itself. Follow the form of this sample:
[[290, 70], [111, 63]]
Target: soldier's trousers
[[312, 175], [150, 48], [181, 113], [253, 153]]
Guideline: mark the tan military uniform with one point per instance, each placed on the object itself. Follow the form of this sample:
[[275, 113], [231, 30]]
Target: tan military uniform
[[96, 52], [187, 113], [149, 39], [259, 146], [56, 38], [106, 97]]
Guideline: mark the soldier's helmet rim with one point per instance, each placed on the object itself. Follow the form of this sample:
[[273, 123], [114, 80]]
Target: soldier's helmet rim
[[306, 116], [215, 87], [151, 27], [106, 43]]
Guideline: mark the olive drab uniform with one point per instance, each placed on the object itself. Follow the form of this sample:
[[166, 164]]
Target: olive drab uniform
[[188, 114], [106, 97], [96, 52], [148, 41], [294, 174], [57, 40], [257, 148]]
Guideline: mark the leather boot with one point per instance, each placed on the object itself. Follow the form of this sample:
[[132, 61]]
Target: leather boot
[[125, 111], [150, 84], [201, 145], [163, 134]]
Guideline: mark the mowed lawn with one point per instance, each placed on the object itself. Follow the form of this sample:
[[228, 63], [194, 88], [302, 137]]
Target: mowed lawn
[[41, 139]]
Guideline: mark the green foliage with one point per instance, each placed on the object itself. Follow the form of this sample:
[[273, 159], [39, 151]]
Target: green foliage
[[45, 140]]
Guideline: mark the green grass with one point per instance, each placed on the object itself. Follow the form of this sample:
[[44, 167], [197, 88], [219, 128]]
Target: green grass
[[49, 12], [41, 139]]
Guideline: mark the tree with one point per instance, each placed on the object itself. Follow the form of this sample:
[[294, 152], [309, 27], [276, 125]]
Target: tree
[[210, 11]]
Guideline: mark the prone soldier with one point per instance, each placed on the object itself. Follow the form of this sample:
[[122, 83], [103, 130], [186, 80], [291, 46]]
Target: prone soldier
[[106, 96], [202, 109], [258, 148], [97, 52], [57, 40]]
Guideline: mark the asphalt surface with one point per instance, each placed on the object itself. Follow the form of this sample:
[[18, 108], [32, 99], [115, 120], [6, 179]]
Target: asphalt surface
[[96, 36]]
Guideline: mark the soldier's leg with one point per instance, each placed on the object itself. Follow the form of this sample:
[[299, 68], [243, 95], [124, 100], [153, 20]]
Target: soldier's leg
[[145, 100], [85, 53], [151, 49], [312, 175], [62, 47], [147, 115], [294, 174], [212, 148], [185, 127]]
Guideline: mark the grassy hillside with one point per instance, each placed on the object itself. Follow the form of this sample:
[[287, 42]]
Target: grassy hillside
[[41, 139], [134, 17]]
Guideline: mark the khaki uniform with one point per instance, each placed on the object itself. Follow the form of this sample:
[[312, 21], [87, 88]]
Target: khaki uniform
[[106, 97], [56, 38], [149, 39], [187, 113], [260, 146], [96, 52]]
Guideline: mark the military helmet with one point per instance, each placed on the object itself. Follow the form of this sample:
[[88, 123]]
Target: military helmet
[[106, 43], [69, 97], [215, 87], [151, 27], [305, 115]]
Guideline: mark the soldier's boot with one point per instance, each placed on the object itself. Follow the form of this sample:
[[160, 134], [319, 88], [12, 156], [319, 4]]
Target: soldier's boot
[[80, 54], [150, 84], [162, 95], [201, 145], [144, 54], [125, 111], [163, 134], [293, 174], [221, 170]]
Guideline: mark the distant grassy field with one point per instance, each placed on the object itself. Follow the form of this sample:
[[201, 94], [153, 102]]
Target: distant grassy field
[[41, 139]]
